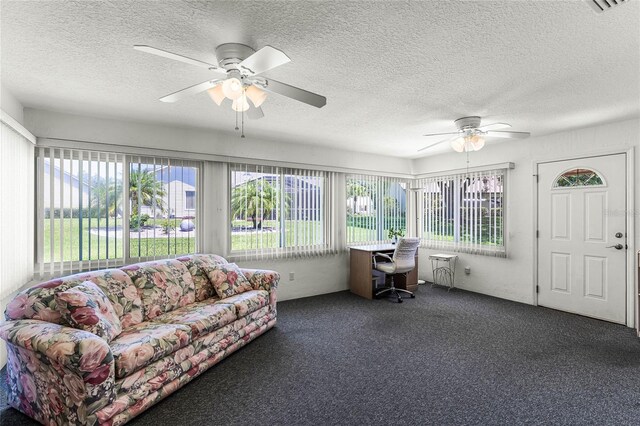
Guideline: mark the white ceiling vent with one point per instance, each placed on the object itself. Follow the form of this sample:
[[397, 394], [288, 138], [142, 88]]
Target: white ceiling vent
[[604, 5]]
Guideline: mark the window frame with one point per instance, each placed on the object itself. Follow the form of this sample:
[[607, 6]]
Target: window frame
[[190, 195]]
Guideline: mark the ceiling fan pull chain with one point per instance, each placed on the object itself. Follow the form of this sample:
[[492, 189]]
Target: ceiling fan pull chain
[[467, 161], [242, 135], [237, 120]]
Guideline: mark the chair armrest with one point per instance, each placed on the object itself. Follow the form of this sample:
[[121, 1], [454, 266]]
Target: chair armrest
[[375, 263], [262, 279], [74, 368]]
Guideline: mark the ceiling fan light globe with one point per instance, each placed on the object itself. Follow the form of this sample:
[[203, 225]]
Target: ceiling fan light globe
[[256, 95], [477, 143], [232, 88], [458, 145], [216, 94], [240, 104]]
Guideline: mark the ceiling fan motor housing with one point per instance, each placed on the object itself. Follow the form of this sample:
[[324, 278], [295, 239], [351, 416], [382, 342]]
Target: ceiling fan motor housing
[[231, 54], [465, 123]]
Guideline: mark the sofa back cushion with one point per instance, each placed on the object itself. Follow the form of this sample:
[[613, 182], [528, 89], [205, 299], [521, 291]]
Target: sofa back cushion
[[197, 265], [163, 285], [228, 280], [38, 302], [87, 308]]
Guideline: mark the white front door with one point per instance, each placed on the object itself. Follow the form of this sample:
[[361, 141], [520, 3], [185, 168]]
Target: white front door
[[582, 236]]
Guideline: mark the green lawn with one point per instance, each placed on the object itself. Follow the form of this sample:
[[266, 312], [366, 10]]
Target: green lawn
[[253, 239], [301, 234], [96, 247]]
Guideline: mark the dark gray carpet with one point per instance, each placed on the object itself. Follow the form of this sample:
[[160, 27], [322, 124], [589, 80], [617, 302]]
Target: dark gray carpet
[[442, 358]]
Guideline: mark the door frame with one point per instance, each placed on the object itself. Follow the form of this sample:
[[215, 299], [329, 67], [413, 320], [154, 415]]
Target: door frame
[[632, 314]]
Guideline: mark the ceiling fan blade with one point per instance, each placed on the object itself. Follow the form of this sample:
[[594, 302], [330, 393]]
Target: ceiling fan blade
[[263, 60], [508, 135], [441, 134], [494, 126], [294, 93], [255, 113], [438, 143], [176, 57], [192, 90]]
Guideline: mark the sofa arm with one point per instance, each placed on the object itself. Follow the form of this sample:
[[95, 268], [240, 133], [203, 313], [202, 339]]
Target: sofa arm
[[262, 279], [57, 373]]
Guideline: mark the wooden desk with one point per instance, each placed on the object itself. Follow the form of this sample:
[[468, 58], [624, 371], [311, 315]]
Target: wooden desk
[[361, 265]]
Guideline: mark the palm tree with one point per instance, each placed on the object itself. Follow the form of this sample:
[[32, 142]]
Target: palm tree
[[256, 199], [105, 197], [145, 190]]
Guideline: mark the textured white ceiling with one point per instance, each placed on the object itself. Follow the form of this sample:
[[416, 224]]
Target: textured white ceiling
[[391, 71]]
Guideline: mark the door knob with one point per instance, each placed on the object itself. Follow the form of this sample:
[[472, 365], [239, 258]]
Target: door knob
[[617, 247], [618, 235]]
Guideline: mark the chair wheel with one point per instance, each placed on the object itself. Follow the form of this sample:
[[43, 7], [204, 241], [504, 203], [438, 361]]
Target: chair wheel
[[399, 300], [413, 296]]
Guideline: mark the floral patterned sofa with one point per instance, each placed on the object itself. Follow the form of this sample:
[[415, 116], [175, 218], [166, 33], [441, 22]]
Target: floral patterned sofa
[[103, 346]]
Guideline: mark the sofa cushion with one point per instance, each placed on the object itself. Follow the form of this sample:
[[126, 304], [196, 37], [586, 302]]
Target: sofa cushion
[[38, 302], [196, 265], [86, 307], [144, 343], [228, 280], [247, 302], [203, 317], [164, 285]]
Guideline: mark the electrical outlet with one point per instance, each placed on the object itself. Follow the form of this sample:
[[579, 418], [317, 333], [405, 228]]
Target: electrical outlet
[[467, 270], [292, 276]]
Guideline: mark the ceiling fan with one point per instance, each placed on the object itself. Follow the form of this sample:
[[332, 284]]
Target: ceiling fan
[[237, 77], [471, 135]]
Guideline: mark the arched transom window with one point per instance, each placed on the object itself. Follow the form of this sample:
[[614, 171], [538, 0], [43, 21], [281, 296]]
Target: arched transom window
[[578, 177]]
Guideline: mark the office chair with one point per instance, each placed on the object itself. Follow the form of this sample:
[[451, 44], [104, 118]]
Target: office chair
[[402, 262]]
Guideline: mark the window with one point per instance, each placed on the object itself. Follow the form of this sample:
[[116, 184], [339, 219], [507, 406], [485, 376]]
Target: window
[[80, 196], [190, 200], [375, 204], [464, 212], [578, 177], [278, 212], [91, 214], [160, 223]]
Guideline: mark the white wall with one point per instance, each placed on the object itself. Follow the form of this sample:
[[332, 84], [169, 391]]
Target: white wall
[[512, 278], [312, 276], [48, 124], [11, 105]]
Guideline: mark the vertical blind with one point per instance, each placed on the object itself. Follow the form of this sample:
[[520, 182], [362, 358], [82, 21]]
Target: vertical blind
[[375, 204], [16, 210], [101, 209], [80, 207], [279, 212], [464, 212]]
